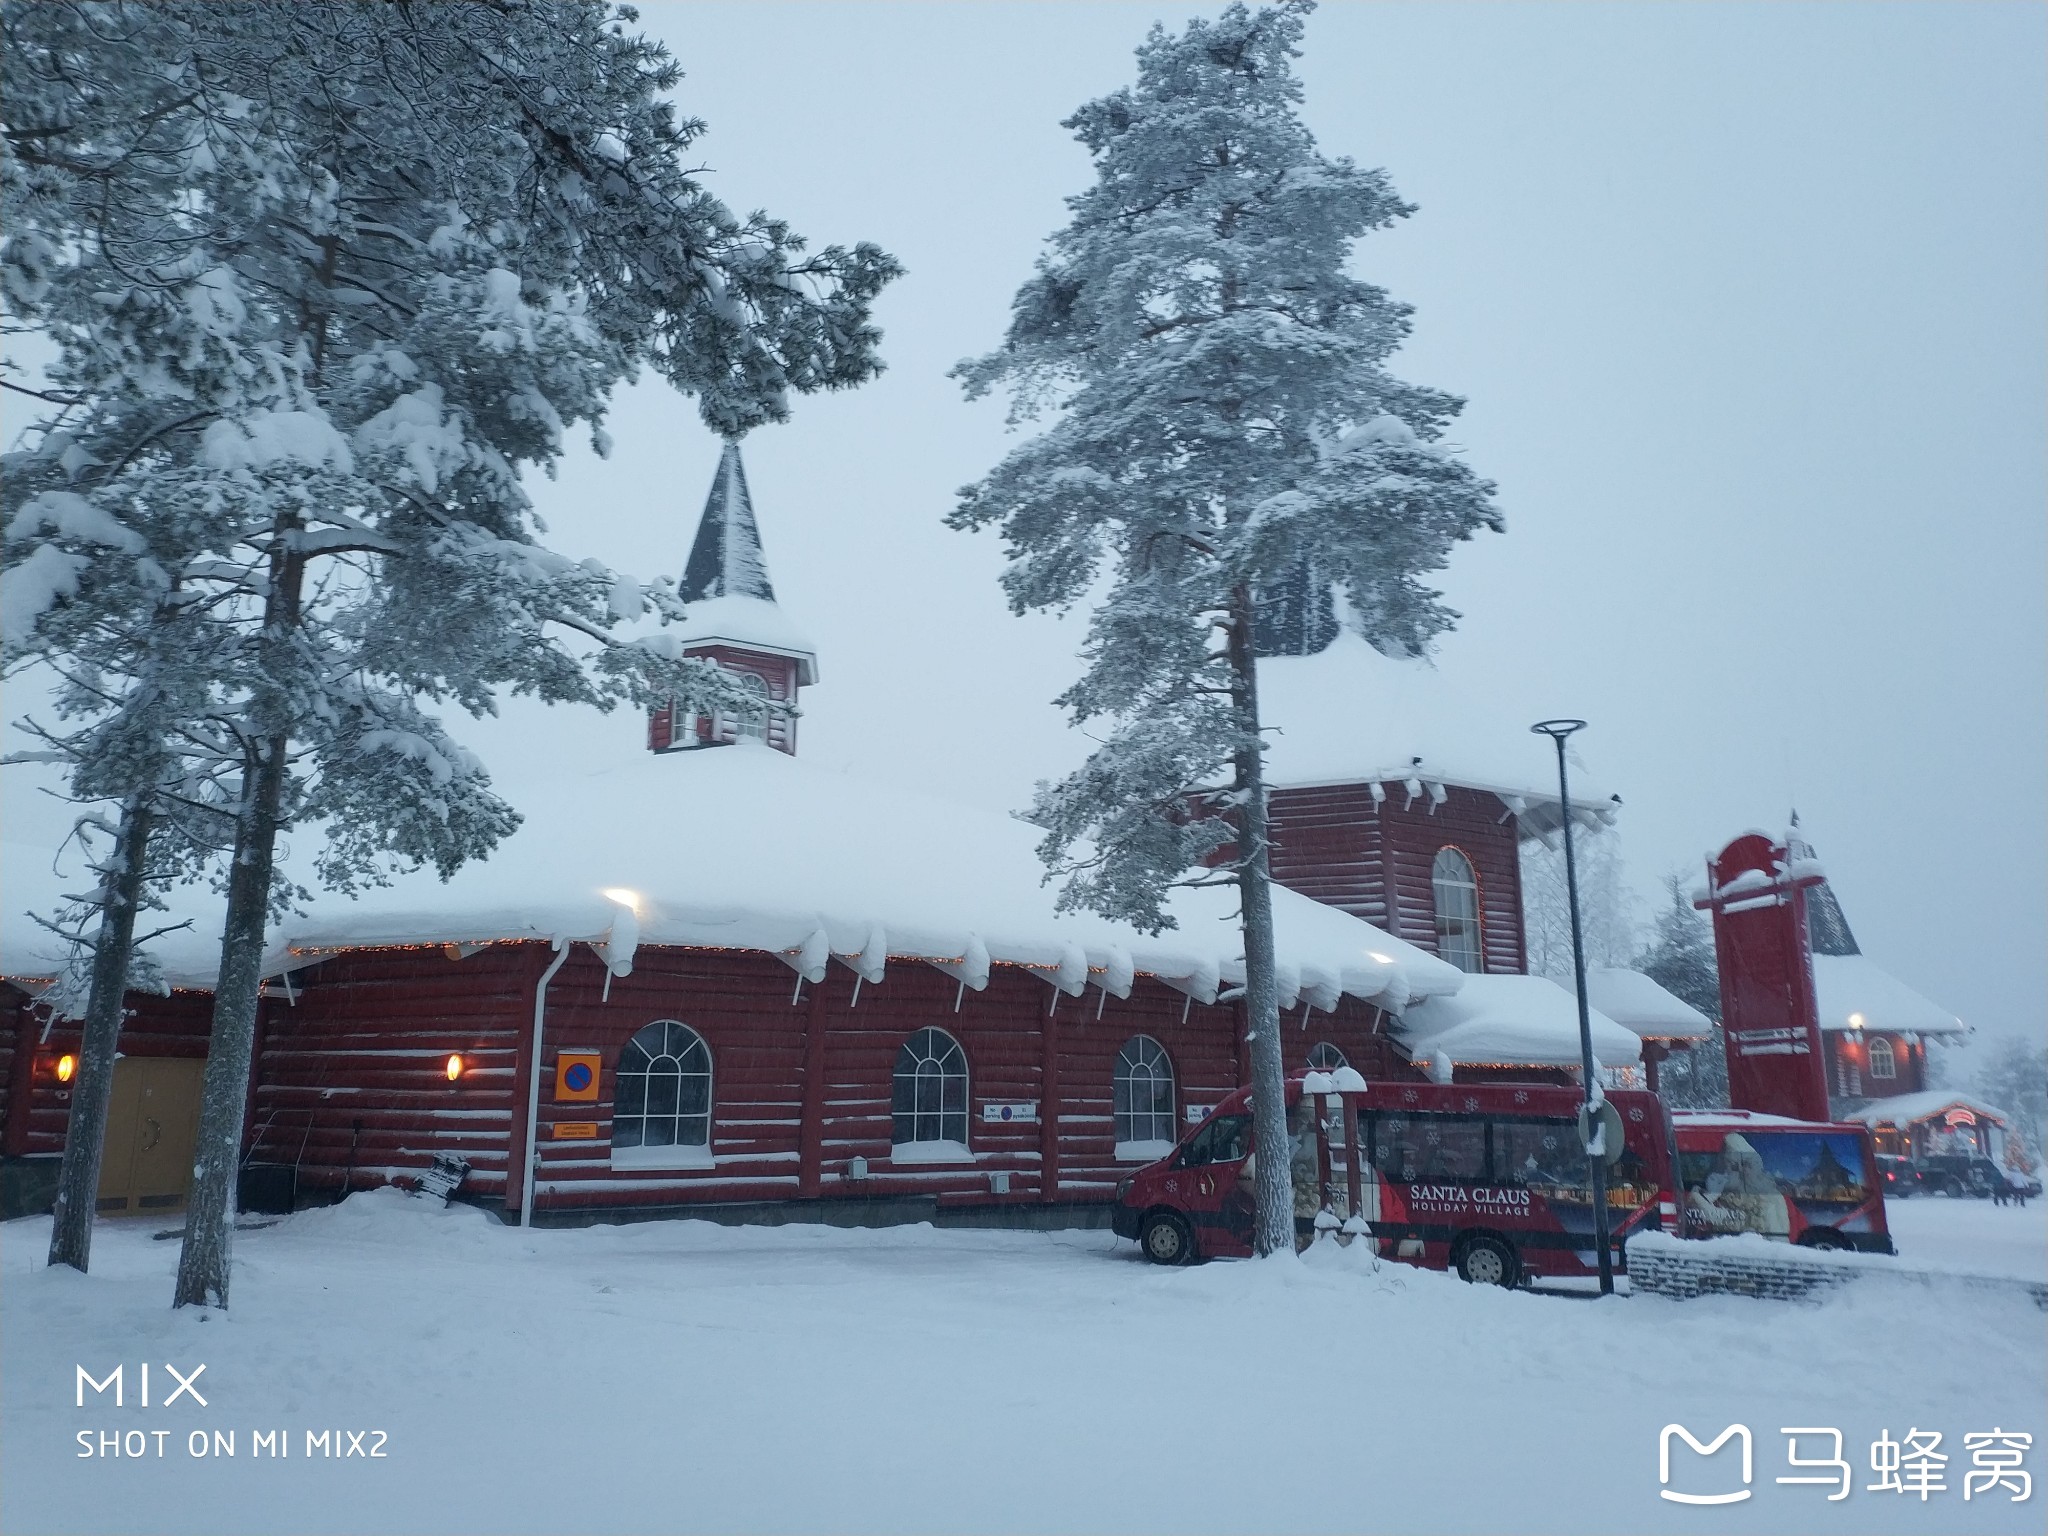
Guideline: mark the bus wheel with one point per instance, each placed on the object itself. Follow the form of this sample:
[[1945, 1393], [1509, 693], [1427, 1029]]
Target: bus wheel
[[1825, 1240], [1166, 1239], [1488, 1260]]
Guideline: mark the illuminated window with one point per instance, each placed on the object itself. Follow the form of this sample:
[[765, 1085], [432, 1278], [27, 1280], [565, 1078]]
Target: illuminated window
[[1456, 890], [931, 1090], [1325, 1057], [1883, 1063], [1144, 1099], [664, 1089]]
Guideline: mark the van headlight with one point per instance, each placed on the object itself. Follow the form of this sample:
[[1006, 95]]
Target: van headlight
[[1123, 1189]]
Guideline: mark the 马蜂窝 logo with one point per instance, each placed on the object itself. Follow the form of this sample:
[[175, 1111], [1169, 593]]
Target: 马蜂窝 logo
[[1733, 1431]]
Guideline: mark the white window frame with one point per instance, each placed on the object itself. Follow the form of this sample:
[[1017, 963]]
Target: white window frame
[[1460, 937], [678, 1153], [1884, 1060], [922, 1051], [1143, 1060], [1325, 1056], [752, 723]]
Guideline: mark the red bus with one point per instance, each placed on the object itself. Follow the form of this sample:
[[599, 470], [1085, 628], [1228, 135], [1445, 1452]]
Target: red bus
[[1808, 1182], [1488, 1179]]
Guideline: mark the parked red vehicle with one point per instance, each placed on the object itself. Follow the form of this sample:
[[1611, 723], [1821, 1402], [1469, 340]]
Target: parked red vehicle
[[1491, 1180], [1814, 1183]]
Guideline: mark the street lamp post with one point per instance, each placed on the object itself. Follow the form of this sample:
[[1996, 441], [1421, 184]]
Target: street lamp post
[[1558, 731]]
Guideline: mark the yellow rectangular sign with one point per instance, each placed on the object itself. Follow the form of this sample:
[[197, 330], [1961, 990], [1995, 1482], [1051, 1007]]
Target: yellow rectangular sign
[[576, 1130]]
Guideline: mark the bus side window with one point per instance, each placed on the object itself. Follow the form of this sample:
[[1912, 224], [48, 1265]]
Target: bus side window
[[1453, 1147], [1423, 1146], [1538, 1153], [1225, 1139], [1392, 1144]]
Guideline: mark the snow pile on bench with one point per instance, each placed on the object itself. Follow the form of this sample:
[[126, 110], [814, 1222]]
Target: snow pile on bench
[[1750, 1265]]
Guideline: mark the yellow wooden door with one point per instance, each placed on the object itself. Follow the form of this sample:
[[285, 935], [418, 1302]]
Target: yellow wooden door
[[152, 1125]]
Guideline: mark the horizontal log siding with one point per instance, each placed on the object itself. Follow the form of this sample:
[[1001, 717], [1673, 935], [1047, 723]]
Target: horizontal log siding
[[1200, 1041], [366, 1037], [1332, 843], [1326, 845], [740, 1002], [368, 1034], [177, 1025]]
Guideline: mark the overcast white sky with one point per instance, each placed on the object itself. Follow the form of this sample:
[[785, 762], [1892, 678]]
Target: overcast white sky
[[1748, 302]]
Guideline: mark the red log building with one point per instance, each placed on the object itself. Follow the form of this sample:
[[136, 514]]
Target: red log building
[[718, 981]]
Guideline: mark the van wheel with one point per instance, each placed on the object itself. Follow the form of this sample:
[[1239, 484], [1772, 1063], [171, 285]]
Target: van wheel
[[1488, 1260], [1166, 1239], [1953, 1188]]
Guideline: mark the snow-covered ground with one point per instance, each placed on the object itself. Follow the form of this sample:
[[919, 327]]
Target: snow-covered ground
[[680, 1376], [1938, 1233]]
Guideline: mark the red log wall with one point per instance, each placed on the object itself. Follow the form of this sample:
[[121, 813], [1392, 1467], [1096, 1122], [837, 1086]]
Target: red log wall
[[1333, 843], [778, 672], [38, 1107], [801, 1083]]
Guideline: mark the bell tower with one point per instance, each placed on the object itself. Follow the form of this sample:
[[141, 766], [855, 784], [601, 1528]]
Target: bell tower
[[733, 619]]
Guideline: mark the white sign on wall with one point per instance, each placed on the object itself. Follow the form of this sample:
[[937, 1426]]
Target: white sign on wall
[[1197, 1113], [1016, 1112]]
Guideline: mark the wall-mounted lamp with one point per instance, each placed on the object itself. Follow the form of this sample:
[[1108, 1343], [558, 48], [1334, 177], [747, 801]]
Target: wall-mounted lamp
[[456, 1067], [66, 1065], [1855, 1021]]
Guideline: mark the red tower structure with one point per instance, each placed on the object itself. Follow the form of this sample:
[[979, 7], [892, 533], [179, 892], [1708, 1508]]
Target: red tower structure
[[1757, 892]]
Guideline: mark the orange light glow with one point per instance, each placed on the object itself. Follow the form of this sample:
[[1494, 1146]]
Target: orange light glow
[[66, 1065], [454, 1068]]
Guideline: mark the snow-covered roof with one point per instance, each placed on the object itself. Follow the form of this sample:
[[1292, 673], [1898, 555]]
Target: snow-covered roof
[[1349, 714], [751, 622], [1854, 993], [1906, 1108], [1640, 1005], [1511, 1021], [743, 847], [1731, 1116]]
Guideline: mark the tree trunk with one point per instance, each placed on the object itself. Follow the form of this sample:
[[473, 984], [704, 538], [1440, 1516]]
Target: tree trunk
[[1273, 1229], [210, 1214], [78, 1179]]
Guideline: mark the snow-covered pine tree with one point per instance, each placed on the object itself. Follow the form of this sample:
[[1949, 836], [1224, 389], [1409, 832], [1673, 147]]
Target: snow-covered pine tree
[[1222, 413], [1680, 958], [322, 278], [2014, 1077], [134, 730]]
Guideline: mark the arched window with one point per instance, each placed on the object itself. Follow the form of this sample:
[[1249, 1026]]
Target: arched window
[[751, 724], [1456, 890], [1325, 1057], [661, 1111], [1143, 1089], [931, 1092], [1884, 1064]]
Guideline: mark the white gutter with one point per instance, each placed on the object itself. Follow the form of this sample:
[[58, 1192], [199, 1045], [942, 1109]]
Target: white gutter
[[540, 1010]]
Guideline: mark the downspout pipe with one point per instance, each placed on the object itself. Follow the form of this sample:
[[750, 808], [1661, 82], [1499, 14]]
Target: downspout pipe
[[540, 1013]]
